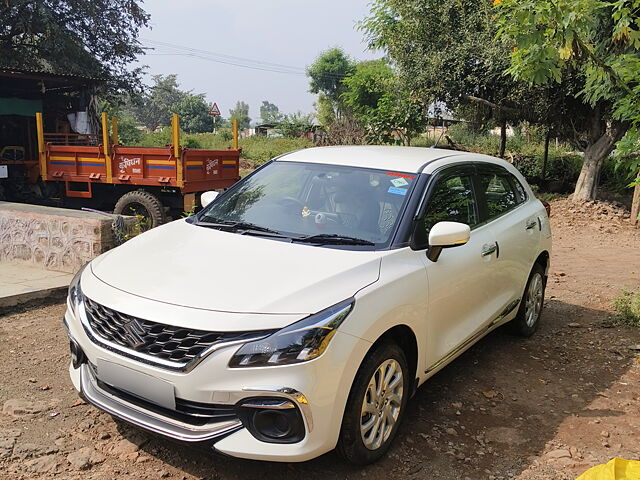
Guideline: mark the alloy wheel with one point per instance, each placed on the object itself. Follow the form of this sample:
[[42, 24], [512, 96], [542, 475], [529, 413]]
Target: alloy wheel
[[381, 404], [534, 299]]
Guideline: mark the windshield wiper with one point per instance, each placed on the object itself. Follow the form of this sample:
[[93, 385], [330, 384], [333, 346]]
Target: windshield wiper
[[332, 238], [235, 226]]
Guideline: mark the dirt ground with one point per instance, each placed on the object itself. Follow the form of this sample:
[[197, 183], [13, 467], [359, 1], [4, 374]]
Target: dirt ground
[[544, 408]]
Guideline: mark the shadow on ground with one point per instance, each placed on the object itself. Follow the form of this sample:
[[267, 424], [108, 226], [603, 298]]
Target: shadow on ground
[[490, 412]]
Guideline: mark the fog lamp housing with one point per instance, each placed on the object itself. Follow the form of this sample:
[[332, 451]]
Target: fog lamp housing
[[77, 355], [272, 420]]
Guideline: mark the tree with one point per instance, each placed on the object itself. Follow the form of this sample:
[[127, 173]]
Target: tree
[[98, 38], [194, 113], [386, 111], [326, 75], [592, 45], [240, 113], [445, 51], [295, 125], [269, 113], [154, 107]]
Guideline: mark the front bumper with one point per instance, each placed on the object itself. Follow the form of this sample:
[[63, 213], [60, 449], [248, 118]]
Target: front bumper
[[325, 382]]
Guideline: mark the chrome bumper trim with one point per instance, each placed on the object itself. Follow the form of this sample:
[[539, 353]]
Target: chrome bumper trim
[[149, 420]]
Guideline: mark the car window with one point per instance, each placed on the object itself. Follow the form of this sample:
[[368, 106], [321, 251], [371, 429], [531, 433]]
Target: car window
[[499, 192], [306, 199], [452, 200]]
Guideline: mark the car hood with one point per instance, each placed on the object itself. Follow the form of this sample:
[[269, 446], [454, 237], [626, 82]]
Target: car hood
[[183, 264]]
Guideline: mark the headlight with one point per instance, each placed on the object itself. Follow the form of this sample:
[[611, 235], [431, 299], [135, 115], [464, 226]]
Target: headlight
[[75, 292], [300, 342]]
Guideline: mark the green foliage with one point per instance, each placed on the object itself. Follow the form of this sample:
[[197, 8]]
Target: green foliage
[[194, 113], [98, 38], [326, 77], [325, 113], [295, 125], [128, 130], [240, 113], [388, 113], [328, 71], [628, 306], [445, 51], [270, 113], [597, 39], [154, 107]]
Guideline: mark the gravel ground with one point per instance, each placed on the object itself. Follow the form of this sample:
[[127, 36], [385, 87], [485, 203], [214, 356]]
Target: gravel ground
[[544, 408]]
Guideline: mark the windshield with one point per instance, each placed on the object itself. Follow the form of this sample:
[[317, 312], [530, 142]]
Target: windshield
[[315, 202]]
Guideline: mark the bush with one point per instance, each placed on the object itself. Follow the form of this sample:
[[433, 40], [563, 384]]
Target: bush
[[628, 307]]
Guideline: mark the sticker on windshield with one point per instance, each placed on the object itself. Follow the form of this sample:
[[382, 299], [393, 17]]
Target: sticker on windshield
[[397, 191], [399, 182], [401, 175]]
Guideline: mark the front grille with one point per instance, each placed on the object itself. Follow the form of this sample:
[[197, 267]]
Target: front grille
[[175, 344]]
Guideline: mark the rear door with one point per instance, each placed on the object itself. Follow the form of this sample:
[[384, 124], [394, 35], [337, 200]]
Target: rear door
[[459, 290], [515, 225]]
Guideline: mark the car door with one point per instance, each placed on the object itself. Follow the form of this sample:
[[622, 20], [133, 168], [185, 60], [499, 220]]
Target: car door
[[515, 225], [459, 294]]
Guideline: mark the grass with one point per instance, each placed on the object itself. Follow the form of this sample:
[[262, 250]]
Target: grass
[[627, 304]]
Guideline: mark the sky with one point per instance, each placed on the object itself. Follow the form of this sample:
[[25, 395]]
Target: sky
[[290, 33]]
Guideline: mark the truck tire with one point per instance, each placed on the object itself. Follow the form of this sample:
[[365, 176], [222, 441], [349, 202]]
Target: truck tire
[[142, 204]]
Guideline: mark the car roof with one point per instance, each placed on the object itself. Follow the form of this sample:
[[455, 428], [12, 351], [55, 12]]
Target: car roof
[[400, 159]]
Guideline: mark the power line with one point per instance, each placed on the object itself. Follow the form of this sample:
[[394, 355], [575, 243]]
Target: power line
[[232, 60]]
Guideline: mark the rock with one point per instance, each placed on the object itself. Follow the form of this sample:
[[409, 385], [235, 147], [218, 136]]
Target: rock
[[604, 433], [574, 452], [124, 447], [457, 405], [104, 436], [506, 435], [26, 450], [451, 431], [560, 453], [85, 458], [48, 464], [490, 394], [17, 407], [574, 325], [6, 447]]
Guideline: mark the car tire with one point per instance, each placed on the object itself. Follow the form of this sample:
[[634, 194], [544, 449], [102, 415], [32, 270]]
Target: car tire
[[144, 204], [374, 411], [528, 317]]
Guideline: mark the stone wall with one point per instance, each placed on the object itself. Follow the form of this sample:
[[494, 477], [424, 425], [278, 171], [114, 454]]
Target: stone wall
[[54, 238]]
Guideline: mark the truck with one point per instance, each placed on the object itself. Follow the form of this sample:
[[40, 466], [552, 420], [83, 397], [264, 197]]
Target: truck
[[95, 170]]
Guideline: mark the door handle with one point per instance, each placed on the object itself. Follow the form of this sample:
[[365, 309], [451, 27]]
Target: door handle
[[489, 249], [531, 224]]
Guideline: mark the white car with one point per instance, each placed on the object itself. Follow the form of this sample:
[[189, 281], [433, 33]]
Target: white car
[[300, 310]]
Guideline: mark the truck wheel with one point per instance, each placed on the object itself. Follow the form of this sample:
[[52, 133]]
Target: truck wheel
[[141, 204]]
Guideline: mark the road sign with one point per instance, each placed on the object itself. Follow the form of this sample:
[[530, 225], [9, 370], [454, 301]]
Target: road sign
[[215, 111]]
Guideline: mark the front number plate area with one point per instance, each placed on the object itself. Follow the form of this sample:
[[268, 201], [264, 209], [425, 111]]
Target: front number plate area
[[139, 384]]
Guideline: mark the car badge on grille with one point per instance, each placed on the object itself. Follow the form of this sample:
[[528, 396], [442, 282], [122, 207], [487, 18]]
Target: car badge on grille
[[133, 333]]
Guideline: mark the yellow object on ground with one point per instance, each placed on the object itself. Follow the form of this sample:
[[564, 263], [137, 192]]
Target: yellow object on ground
[[616, 469]]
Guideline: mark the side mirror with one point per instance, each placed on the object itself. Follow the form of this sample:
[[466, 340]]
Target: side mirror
[[446, 235], [207, 197]]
